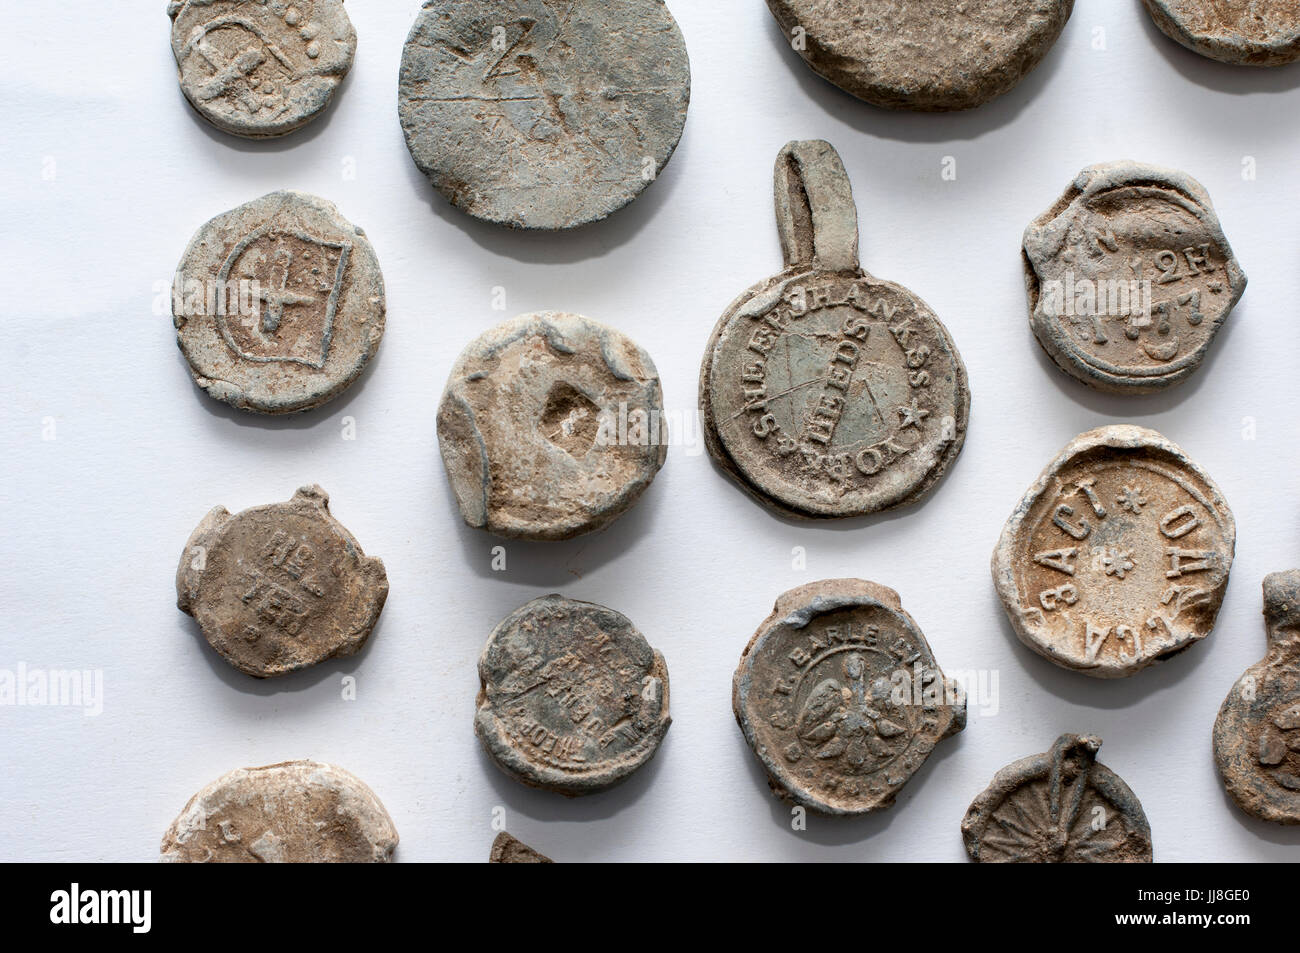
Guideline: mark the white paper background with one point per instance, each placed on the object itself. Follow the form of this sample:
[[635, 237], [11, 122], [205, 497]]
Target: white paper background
[[107, 173]]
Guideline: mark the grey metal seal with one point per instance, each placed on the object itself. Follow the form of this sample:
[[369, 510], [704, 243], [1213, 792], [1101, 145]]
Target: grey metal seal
[[543, 114], [826, 392], [551, 426], [261, 68], [278, 304], [573, 698]]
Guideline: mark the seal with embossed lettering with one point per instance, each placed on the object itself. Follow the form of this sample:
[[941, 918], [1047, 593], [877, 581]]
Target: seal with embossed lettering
[[261, 68], [1130, 277], [1118, 556], [573, 698], [825, 392], [278, 304], [281, 587], [840, 697], [543, 114], [295, 812], [1061, 807], [923, 55], [551, 425], [1241, 32], [1257, 733]]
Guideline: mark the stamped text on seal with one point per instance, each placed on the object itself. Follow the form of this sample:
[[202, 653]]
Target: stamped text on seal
[[1130, 277], [826, 392], [281, 587], [840, 698], [573, 698], [1118, 555]]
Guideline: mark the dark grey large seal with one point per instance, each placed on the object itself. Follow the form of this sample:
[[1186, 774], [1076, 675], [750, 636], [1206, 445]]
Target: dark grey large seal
[[543, 114]]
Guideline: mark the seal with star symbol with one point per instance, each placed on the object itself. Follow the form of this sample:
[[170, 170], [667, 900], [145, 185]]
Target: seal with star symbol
[[826, 392]]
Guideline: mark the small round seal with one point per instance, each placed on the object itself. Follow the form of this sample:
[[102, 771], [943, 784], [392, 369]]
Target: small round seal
[[261, 69], [278, 304], [281, 587], [922, 54], [1118, 555], [1257, 733], [543, 114], [551, 425], [1129, 277], [295, 812], [825, 392], [573, 698], [1241, 32], [840, 698], [1061, 807]]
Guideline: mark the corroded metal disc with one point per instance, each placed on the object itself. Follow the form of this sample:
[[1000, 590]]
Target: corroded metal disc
[[840, 698], [1058, 807], [922, 54], [293, 812], [825, 392], [511, 850], [278, 304], [1130, 277], [573, 698], [281, 587], [543, 114], [1242, 32], [261, 68], [1257, 733], [551, 425], [1118, 556]]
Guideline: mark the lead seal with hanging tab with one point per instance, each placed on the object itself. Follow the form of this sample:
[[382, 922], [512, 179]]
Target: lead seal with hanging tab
[[826, 392]]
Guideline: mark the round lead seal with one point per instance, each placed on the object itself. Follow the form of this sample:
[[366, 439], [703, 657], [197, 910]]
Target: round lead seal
[[1257, 733], [1118, 555], [543, 114], [1242, 32], [278, 304], [296, 812], [551, 426], [840, 698], [281, 587], [826, 392], [573, 698], [922, 54], [260, 69], [1130, 277], [1061, 807]]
